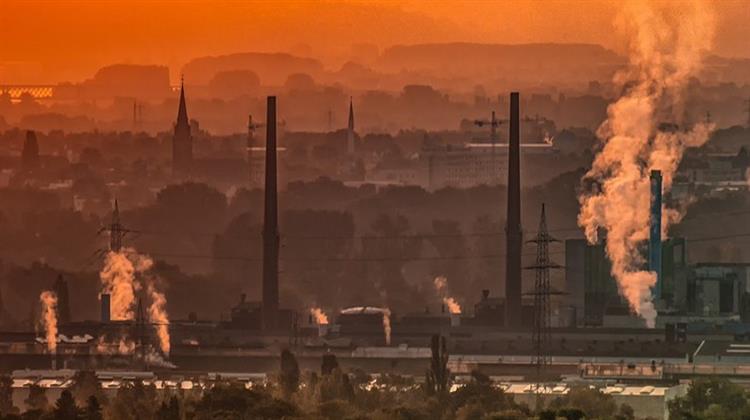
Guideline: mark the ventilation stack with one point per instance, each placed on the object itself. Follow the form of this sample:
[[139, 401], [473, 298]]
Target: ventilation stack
[[513, 220], [270, 225], [654, 243]]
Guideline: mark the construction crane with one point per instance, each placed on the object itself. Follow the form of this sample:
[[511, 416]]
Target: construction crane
[[493, 123], [251, 127]]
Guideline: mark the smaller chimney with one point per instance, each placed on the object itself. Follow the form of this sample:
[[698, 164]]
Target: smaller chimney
[[105, 307], [485, 294], [654, 251]]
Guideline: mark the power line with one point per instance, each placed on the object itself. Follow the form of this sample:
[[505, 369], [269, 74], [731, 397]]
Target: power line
[[345, 237], [334, 259]]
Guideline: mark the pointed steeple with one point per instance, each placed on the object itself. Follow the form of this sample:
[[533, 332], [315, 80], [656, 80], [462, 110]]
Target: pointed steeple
[[182, 142], [182, 117], [350, 129]]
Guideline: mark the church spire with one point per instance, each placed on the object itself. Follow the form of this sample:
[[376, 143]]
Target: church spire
[[182, 117], [182, 142], [350, 130]]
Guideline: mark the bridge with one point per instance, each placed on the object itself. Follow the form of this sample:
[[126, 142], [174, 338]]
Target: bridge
[[47, 92], [38, 92]]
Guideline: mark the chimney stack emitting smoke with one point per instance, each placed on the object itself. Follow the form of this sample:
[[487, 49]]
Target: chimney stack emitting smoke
[[654, 245], [270, 224], [513, 220]]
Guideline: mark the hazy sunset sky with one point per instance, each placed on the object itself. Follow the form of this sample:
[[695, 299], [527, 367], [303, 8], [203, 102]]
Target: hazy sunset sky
[[69, 39]]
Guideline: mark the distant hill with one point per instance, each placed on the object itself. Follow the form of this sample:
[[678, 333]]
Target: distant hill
[[519, 65], [472, 54], [271, 68], [129, 80]]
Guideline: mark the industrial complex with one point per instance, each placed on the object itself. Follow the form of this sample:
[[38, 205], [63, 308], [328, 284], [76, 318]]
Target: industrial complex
[[532, 340]]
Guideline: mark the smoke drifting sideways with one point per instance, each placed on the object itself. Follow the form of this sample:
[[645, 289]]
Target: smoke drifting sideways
[[123, 276], [664, 55], [49, 318], [441, 287]]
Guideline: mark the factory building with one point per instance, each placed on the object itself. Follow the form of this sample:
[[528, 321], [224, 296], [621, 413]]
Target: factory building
[[465, 166], [717, 292]]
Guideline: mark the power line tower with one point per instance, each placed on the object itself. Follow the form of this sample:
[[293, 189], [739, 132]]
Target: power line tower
[[542, 292], [116, 230]]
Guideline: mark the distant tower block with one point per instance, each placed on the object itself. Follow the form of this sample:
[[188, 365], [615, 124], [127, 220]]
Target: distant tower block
[[63, 301], [514, 236], [654, 243], [182, 142], [105, 315], [350, 130], [270, 306], [30, 153]]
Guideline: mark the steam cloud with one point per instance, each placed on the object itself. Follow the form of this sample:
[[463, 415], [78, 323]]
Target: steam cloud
[[441, 287], [119, 279], [320, 317], [49, 318], [664, 55], [387, 325], [158, 316]]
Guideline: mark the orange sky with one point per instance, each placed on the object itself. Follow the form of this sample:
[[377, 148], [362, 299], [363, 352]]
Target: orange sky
[[69, 39]]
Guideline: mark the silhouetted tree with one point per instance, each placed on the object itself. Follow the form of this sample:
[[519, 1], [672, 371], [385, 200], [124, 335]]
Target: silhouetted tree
[[93, 410], [6, 396], [289, 376], [236, 402], [169, 411], [86, 385], [592, 402], [712, 398], [65, 407], [37, 399], [329, 364], [439, 375]]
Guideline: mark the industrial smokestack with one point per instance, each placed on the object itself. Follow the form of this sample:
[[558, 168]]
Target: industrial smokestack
[[513, 220], [654, 244], [105, 307], [270, 224]]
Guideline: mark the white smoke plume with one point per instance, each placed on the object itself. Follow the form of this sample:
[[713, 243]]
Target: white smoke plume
[[320, 317], [158, 315], [49, 318], [155, 359], [387, 325], [122, 277], [441, 287], [666, 51], [118, 277]]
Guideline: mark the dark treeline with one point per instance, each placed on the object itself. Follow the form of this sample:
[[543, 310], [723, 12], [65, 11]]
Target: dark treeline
[[340, 245]]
